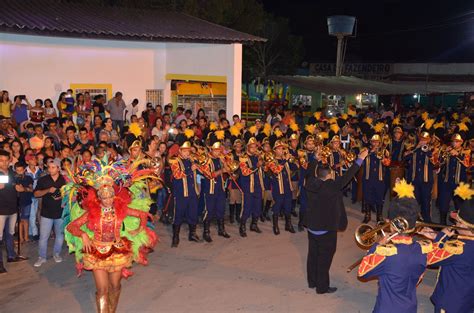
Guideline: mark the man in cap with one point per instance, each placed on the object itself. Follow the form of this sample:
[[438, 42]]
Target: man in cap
[[454, 165], [235, 194], [251, 182], [281, 186], [455, 257], [373, 185], [49, 189], [293, 151], [397, 261], [305, 159], [185, 190], [212, 186]]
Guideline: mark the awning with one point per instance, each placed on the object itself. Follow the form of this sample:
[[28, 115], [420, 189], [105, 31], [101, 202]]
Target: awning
[[344, 85]]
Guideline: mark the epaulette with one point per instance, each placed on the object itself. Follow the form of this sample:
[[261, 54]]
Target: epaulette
[[454, 247], [426, 246], [386, 250], [243, 159]]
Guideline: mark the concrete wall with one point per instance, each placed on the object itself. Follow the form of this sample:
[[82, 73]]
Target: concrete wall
[[42, 67]]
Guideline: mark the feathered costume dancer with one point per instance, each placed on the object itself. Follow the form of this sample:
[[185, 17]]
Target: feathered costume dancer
[[108, 204]]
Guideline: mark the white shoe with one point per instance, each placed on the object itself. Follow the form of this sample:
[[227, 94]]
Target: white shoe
[[40, 262], [57, 258]]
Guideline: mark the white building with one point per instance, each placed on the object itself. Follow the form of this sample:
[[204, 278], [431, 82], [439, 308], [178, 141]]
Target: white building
[[47, 47]]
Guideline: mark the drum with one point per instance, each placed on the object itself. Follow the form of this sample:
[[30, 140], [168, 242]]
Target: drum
[[395, 172]]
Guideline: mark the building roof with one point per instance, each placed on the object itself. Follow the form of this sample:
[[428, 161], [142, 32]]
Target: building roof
[[344, 85], [56, 18]]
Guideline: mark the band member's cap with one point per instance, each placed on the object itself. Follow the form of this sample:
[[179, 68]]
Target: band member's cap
[[265, 141], [185, 145], [465, 214], [375, 137], [216, 145], [252, 141], [279, 143], [135, 144], [237, 142], [308, 137], [398, 129], [425, 135], [294, 136], [456, 137], [335, 138]]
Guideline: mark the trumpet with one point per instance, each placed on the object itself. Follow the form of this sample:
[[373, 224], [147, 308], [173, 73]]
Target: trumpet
[[288, 156], [200, 157]]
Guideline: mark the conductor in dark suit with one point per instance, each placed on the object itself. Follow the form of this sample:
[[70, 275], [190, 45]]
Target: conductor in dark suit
[[325, 216]]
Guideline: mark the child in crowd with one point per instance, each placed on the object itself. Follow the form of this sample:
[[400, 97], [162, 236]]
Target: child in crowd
[[24, 187]]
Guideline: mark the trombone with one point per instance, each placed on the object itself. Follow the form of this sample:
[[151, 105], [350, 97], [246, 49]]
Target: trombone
[[366, 235]]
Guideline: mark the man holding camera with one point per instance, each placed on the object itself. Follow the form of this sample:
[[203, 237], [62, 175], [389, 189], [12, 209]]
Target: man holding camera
[[49, 188], [8, 210]]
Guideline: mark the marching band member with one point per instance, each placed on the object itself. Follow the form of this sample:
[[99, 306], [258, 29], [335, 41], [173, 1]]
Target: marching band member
[[235, 195], [455, 257], [267, 193], [399, 262], [420, 173], [336, 159], [307, 156], [373, 184], [453, 171], [281, 186], [293, 151], [185, 189], [251, 182], [213, 189]]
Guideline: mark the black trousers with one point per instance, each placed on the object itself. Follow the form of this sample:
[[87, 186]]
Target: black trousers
[[321, 249]]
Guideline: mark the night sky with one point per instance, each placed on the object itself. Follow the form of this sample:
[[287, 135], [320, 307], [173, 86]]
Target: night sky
[[387, 30]]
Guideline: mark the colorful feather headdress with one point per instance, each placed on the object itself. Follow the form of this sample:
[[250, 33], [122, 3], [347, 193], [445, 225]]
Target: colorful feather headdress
[[404, 189]]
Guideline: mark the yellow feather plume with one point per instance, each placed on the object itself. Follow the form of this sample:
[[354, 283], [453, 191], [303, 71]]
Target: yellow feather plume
[[463, 127], [396, 121], [234, 131], [438, 125], [351, 112], [344, 116], [220, 134], [404, 189], [464, 192], [239, 126], [424, 116], [378, 127], [324, 135], [317, 115], [253, 129], [189, 133], [332, 120], [310, 128], [278, 133], [135, 129], [429, 123], [466, 120], [455, 116], [212, 126], [267, 129], [334, 128], [368, 120], [294, 127]]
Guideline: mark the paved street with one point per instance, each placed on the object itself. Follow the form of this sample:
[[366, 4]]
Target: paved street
[[262, 273]]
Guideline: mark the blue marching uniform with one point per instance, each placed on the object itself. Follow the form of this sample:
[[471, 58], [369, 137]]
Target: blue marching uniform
[[185, 191], [251, 182], [454, 291], [398, 267], [214, 192], [373, 185], [452, 173], [310, 157], [281, 187], [420, 174]]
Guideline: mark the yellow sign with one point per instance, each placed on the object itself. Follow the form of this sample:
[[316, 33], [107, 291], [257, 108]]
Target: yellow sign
[[197, 78]]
